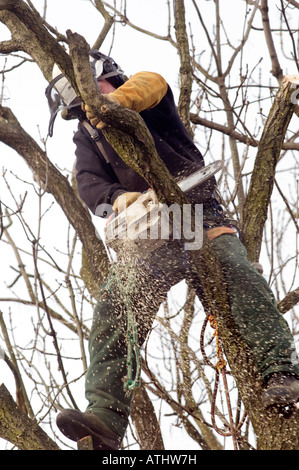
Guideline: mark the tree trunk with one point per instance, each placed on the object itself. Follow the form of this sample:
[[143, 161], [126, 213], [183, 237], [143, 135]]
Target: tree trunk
[[145, 422]]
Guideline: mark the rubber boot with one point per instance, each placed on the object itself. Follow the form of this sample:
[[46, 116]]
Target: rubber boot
[[106, 377], [281, 390], [75, 425]]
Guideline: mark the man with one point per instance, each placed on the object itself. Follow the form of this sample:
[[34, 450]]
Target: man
[[104, 180]]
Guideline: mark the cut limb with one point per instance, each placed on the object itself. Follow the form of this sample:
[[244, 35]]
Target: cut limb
[[262, 180]]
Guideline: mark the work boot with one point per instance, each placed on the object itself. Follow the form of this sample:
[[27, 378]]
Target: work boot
[[75, 425], [281, 390]]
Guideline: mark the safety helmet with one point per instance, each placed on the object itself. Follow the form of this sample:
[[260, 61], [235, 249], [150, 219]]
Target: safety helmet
[[61, 95]]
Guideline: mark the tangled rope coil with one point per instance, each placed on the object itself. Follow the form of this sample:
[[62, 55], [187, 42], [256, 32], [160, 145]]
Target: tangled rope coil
[[220, 369]]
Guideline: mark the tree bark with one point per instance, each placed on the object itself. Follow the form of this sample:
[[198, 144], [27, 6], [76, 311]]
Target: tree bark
[[145, 422], [290, 300], [262, 179], [185, 68], [24, 15], [20, 430]]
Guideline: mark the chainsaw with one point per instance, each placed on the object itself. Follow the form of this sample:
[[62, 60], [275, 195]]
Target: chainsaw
[[144, 225]]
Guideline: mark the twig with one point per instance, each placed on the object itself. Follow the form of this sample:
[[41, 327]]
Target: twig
[[52, 332]]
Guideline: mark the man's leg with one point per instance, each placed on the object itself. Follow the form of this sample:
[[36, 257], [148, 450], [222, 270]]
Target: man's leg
[[107, 369], [254, 309], [108, 410], [106, 416]]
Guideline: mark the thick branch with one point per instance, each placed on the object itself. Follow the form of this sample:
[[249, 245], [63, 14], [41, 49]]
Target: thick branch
[[20, 430], [145, 421], [185, 68], [39, 35], [24, 40], [290, 300], [262, 180]]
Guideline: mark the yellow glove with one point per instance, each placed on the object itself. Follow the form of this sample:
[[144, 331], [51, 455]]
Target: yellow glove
[[143, 90], [125, 200], [94, 121]]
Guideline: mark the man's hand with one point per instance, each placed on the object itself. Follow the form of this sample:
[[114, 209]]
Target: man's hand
[[125, 200], [94, 121]]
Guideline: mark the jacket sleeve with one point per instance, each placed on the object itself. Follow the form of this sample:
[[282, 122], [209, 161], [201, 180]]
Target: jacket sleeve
[[144, 90], [98, 186]]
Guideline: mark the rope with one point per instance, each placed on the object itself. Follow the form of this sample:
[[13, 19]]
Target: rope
[[221, 363], [220, 369], [133, 351]]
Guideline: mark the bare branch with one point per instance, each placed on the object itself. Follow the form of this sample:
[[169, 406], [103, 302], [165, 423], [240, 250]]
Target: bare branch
[[289, 302], [13, 135], [276, 68], [185, 68], [294, 3]]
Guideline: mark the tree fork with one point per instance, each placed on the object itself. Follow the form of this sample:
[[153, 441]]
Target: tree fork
[[126, 132]]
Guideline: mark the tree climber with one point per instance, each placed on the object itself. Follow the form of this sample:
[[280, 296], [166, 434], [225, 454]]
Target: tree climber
[[103, 181]]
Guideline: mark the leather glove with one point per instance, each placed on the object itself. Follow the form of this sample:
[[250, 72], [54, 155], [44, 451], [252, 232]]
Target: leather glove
[[125, 200], [94, 121]]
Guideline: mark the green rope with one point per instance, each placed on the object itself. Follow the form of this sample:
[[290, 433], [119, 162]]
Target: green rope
[[133, 351]]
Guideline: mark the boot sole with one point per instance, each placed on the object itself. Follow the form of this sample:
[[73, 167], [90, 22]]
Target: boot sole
[[280, 397], [71, 425]]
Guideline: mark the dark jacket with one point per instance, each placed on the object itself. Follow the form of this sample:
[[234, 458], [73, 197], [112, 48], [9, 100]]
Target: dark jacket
[[101, 183]]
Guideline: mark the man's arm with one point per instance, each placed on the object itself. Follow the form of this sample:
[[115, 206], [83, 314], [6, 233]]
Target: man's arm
[[143, 90], [97, 183]]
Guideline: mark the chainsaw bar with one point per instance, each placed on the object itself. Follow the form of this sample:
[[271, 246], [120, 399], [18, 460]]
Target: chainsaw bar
[[199, 176]]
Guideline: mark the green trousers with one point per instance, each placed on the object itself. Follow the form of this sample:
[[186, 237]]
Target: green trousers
[[253, 307]]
